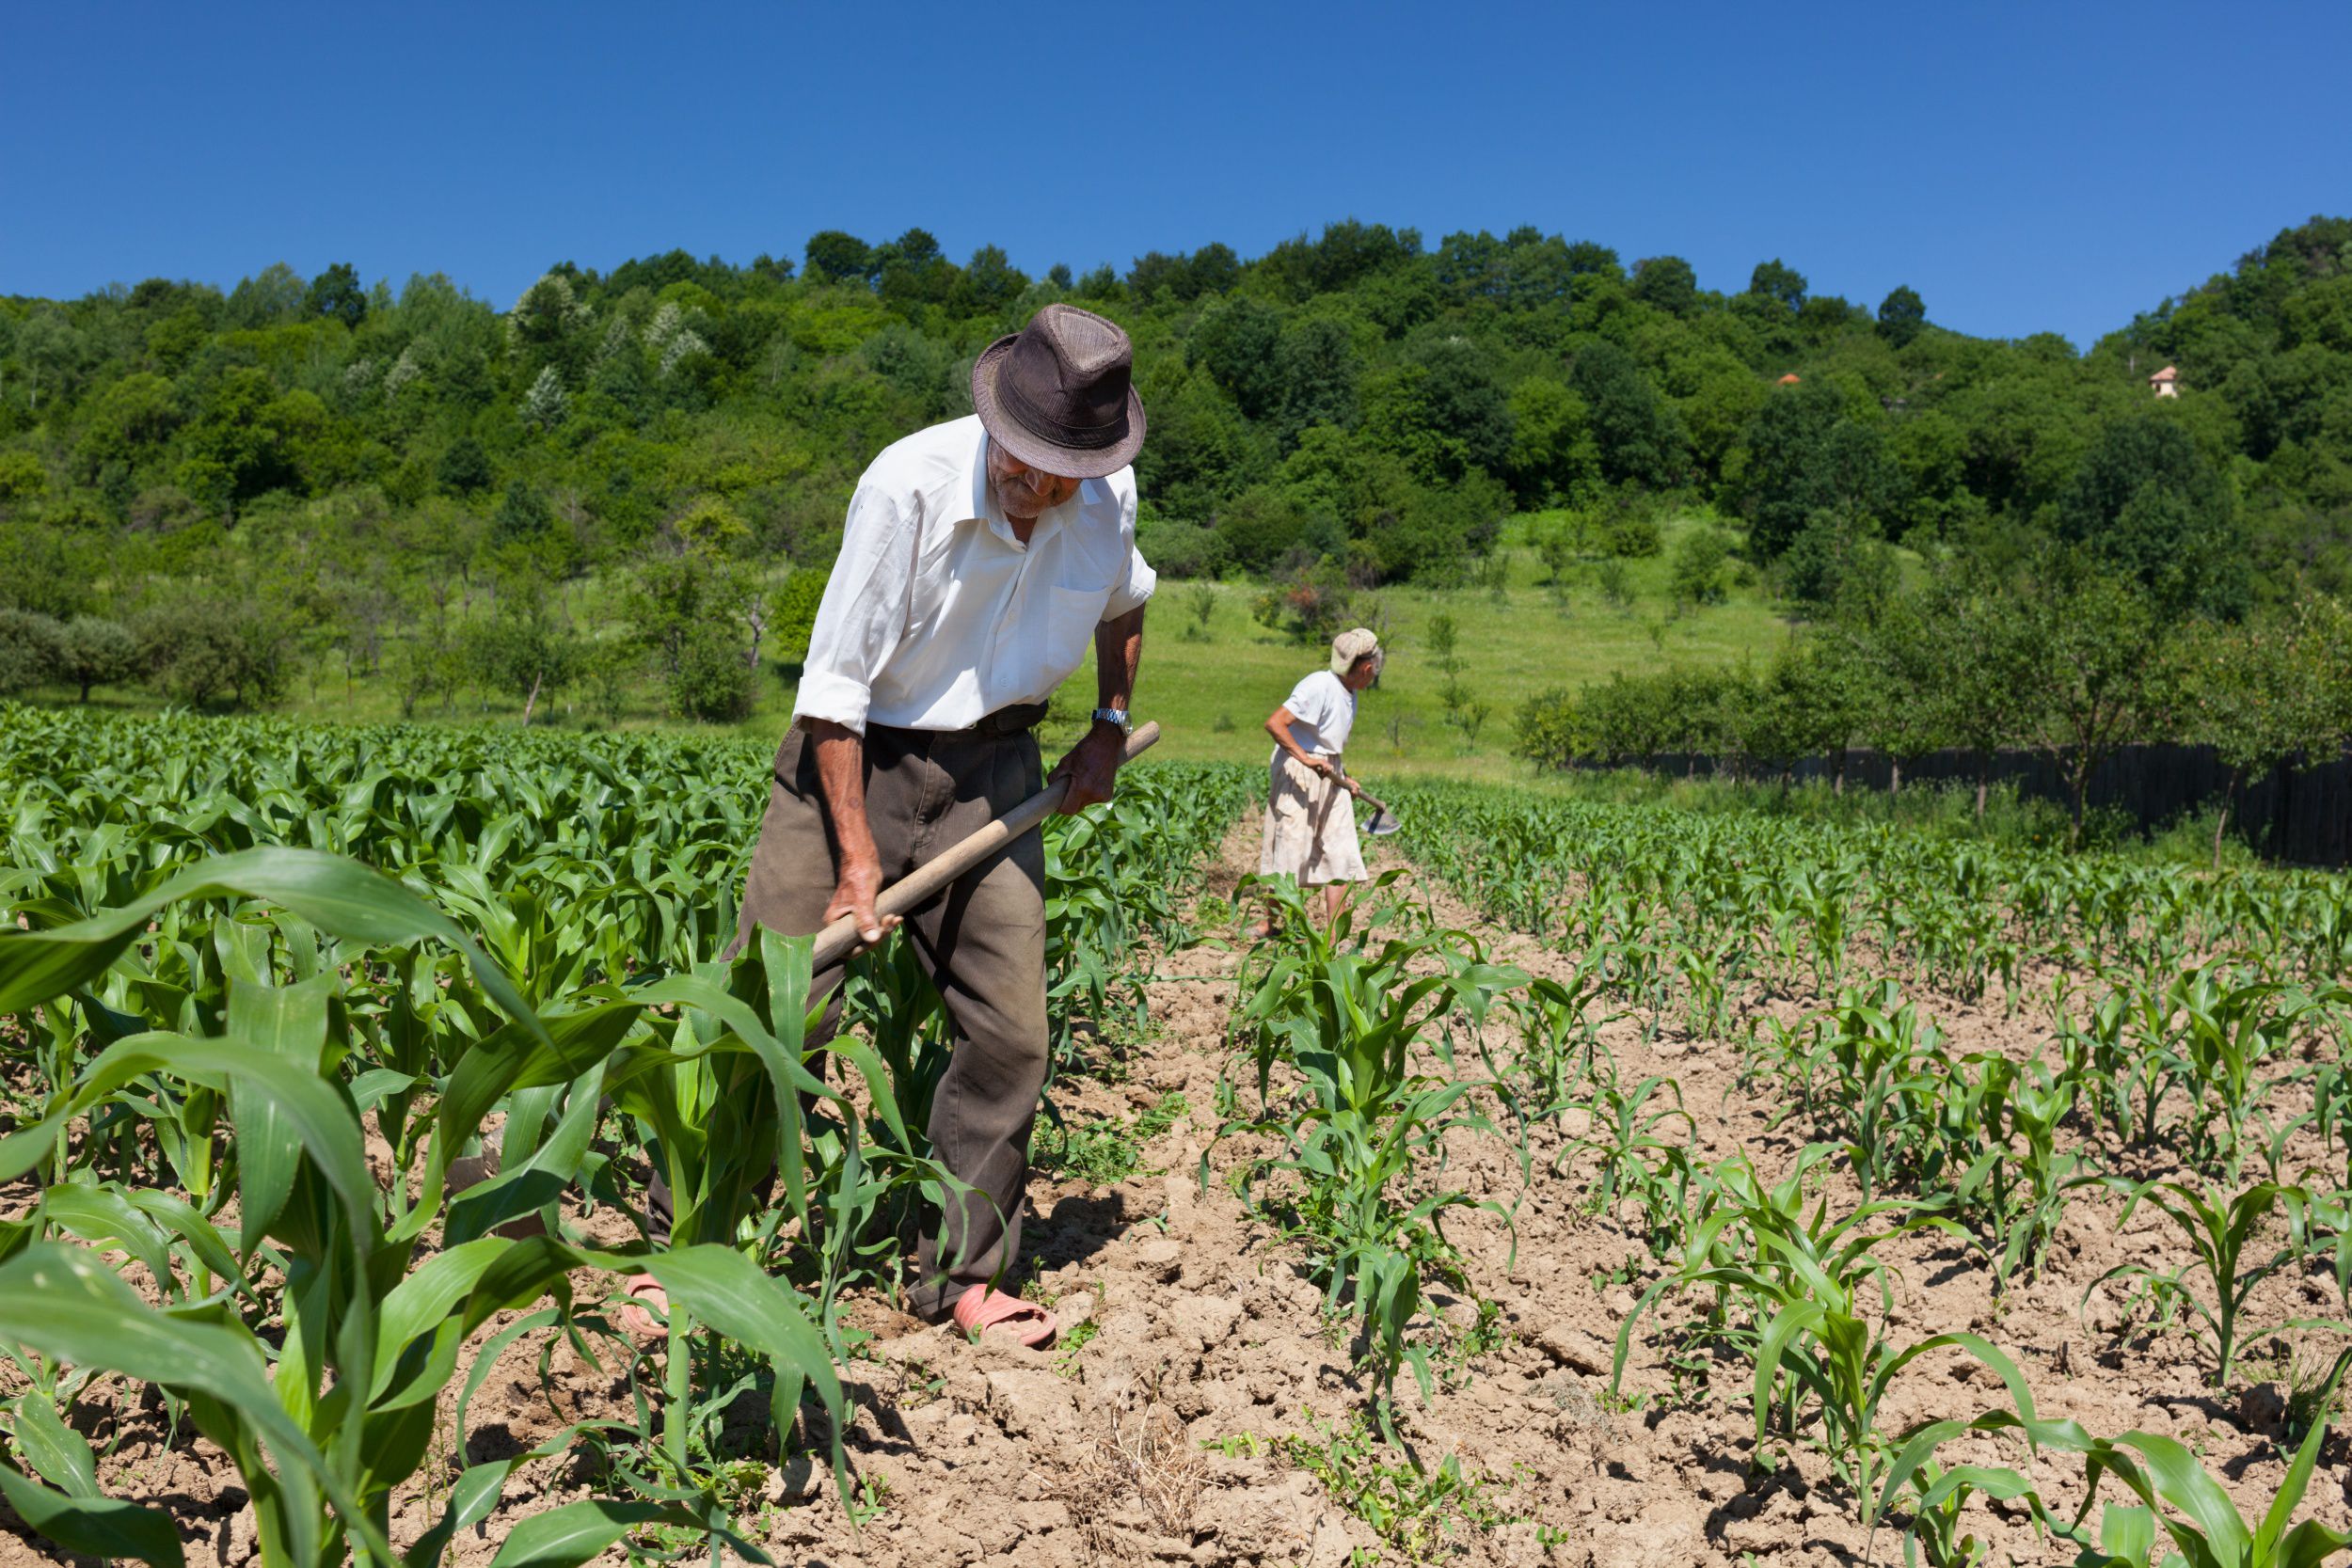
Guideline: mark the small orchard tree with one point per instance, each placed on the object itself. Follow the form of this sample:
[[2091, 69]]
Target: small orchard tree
[[2269, 692], [1904, 716], [2108, 672], [1982, 665], [1696, 572], [92, 651], [29, 650]]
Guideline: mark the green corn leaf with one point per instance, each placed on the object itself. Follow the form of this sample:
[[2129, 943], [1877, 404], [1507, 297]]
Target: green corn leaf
[[471, 1498], [725, 1290], [569, 1536], [94, 1525], [107, 1219], [2127, 1532], [63, 1302], [340, 896], [289, 1022], [55, 1451], [2183, 1482]]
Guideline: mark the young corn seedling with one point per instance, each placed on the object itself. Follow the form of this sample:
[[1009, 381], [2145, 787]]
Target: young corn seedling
[[1635, 1165], [2016, 1190], [2220, 1231], [2201, 1523], [1821, 1367], [326, 1426], [1361, 1119], [2227, 1030]]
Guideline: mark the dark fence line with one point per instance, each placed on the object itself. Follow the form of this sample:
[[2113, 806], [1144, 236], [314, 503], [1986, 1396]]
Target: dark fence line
[[2303, 817]]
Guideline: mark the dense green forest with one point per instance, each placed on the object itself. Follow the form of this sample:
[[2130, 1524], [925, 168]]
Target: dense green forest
[[639, 475]]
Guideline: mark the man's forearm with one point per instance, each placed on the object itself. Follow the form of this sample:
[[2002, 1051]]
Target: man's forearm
[[841, 774], [1118, 654]]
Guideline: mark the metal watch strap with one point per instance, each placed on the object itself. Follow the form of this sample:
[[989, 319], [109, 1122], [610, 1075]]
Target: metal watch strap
[[1113, 715]]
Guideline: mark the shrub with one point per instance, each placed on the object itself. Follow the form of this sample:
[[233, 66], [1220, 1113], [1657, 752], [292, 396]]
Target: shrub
[[1630, 532], [1179, 549], [714, 681], [29, 649], [96, 652], [1546, 729], [202, 647], [1697, 572], [796, 613]]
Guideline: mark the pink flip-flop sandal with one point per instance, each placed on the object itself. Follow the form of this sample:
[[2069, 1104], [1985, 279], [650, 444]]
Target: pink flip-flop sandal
[[980, 1308]]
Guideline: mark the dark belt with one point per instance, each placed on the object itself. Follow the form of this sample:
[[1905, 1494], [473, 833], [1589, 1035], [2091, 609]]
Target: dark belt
[[1006, 721]]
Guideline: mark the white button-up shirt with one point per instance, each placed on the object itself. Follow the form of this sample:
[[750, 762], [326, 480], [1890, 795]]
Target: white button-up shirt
[[936, 615]]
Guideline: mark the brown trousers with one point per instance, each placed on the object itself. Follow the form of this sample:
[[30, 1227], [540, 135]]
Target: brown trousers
[[982, 942]]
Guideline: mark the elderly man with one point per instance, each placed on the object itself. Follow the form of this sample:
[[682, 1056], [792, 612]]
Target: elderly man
[[978, 558]]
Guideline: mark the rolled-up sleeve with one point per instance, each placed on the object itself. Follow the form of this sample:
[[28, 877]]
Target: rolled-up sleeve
[[1137, 581], [864, 611]]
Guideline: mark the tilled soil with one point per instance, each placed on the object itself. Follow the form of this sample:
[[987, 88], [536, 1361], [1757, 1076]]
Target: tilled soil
[[1196, 1372]]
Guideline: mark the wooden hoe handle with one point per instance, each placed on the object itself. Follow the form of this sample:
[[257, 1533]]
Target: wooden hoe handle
[[840, 938]]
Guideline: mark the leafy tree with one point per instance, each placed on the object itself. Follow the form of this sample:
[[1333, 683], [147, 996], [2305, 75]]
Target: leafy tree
[[796, 614], [1902, 315], [1314, 364], [202, 645], [336, 294], [1836, 565], [1781, 284], [29, 649], [1638, 437], [1234, 341], [465, 467], [1666, 283], [2107, 670], [92, 651], [1982, 667], [834, 256], [1553, 457], [546, 403], [1804, 455], [22, 476], [712, 681], [523, 515], [2146, 503], [1695, 571], [521, 650], [1907, 714], [2269, 692], [275, 293]]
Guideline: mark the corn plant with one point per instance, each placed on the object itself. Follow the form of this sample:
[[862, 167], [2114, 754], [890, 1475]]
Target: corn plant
[[1799, 1284], [1634, 1163], [2015, 1191], [369, 1341], [2220, 1231], [1361, 1119]]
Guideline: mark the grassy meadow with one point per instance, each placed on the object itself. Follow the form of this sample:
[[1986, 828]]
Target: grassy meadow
[[1212, 673]]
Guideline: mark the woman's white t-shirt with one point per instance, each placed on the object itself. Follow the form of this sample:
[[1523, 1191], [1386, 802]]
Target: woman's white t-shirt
[[1323, 710]]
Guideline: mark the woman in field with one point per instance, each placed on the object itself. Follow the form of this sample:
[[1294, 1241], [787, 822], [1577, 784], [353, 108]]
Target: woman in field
[[1310, 802]]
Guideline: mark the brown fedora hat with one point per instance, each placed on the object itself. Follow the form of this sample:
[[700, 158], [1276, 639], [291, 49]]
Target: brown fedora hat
[[1058, 394]]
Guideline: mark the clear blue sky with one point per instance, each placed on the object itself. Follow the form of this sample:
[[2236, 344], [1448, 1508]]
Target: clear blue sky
[[2044, 166]]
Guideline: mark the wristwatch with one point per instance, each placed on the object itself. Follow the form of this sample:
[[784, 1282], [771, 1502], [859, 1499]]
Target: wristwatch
[[1113, 715]]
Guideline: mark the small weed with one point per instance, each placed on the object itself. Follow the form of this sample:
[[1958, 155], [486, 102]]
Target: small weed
[[1107, 1151], [872, 1499], [1083, 1335], [1415, 1510]]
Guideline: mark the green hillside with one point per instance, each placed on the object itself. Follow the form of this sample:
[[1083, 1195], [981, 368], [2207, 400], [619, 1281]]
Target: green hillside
[[334, 496]]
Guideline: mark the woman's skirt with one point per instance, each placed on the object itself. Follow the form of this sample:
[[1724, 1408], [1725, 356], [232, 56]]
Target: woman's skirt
[[1310, 827]]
